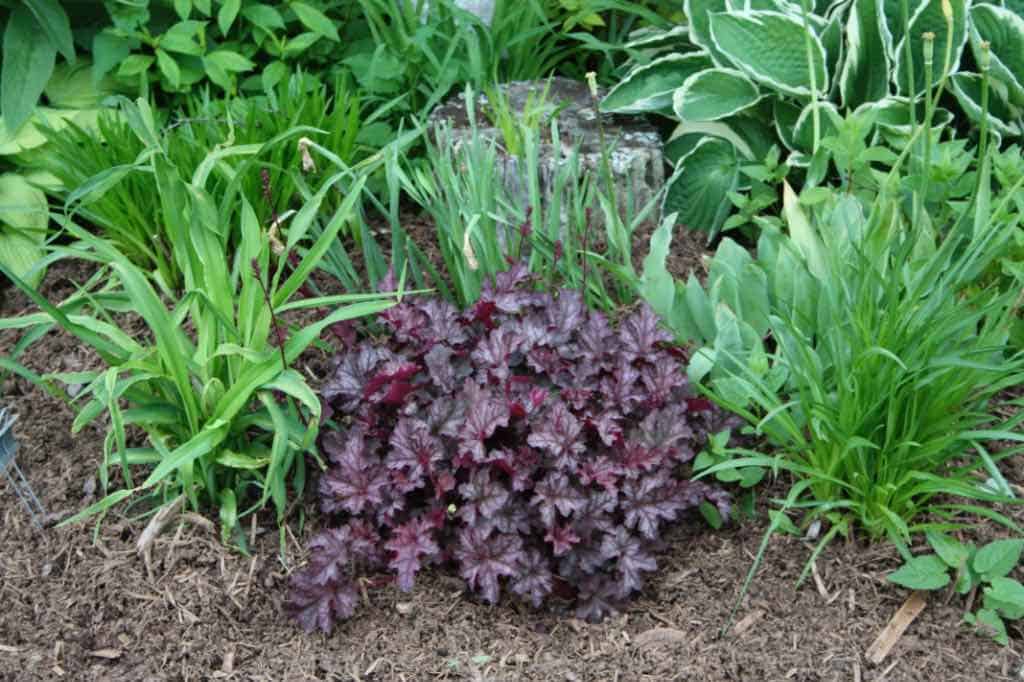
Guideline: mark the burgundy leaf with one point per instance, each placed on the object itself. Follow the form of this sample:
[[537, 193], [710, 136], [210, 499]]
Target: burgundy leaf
[[390, 385], [565, 315], [630, 559], [406, 321], [317, 607], [558, 433], [483, 417], [649, 500], [534, 580], [411, 541], [553, 494], [482, 499], [662, 379], [641, 332], [442, 323], [495, 351], [351, 376], [602, 471], [562, 538], [441, 368], [608, 426], [484, 559]]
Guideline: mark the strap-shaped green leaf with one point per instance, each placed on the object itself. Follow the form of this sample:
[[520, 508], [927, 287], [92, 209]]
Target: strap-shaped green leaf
[[770, 47], [54, 22], [27, 65], [714, 94]]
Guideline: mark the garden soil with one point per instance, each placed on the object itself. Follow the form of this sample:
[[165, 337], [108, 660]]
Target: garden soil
[[75, 605]]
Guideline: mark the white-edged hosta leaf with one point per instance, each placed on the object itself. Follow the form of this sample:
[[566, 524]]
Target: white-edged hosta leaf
[[690, 129], [1004, 31], [784, 117], [651, 38], [699, 188], [835, 48], [770, 48], [714, 94], [803, 131], [967, 89], [928, 17], [649, 88], [698, 12], [865, 73]]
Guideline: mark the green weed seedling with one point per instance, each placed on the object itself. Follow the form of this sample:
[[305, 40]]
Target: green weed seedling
[[964, 568]]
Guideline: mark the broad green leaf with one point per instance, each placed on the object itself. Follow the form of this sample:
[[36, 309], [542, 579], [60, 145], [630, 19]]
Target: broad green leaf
[[989, 622], [169, 68], [183, 8], [72, 86], [315, 21], [770, 48], [701, 310], [865, 73], [27, 65], [921, 573], [928, 17], [802, 233], [997, 559], [24, 215], [183, 38], [953, 553], [803, 130], [134, 65], [226, 15], [1006, 596], [967, 89], [698, 190], [713, 94], [1004, 31], [108, 51], [264, 16], [54, 21], [649, 88], [229, 61]]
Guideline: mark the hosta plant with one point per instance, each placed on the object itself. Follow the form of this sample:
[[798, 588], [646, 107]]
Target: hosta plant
[[527, 442], [741, 77]]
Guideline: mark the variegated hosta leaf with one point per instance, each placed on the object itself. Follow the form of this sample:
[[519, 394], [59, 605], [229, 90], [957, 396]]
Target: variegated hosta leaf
[[713, 94], [1001, 117], [1004, 31], [656, 39], [784, 117], [770, 48], [649, 88], [803, 131], [698, 12], [865, 72], [892, 119], [699, 189], [835, 47], [928, 17]]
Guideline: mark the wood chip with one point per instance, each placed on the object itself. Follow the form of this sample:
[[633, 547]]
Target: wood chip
[[892, 632], [656, 637], [818, 582], [109, 654], [6, 649], [747, 622], [156, 525]]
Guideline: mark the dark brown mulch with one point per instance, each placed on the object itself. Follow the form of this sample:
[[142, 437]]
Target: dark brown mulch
[[78, 610]]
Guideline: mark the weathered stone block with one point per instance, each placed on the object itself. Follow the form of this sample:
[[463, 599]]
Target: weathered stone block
[[634, 148]]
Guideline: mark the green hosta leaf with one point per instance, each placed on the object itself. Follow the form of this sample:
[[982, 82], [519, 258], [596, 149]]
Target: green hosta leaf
[[953, 553], [865, 73], [27, 65], [227, 14], [967, 89], [921, 573], [655, 39], [54, 22], [835, 48], [699, 188], [649, 88], [997, 559], [699, 14], [928, 17], [1004, 30], [1006, 596], [315, 21], [769, 47], [24, 215], [784, 117], [713, 94]]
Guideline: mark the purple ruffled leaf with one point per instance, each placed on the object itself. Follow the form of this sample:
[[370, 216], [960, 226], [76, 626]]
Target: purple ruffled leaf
[[411, 541], [484, 559], [534, 580], [554, 494]]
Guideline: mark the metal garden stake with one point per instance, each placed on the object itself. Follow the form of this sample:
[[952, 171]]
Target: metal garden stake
[[10, 469]]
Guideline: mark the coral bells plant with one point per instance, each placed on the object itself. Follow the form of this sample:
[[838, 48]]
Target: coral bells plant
[[526, 441]]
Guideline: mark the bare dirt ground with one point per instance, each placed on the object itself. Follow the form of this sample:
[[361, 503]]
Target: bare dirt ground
[[78, 609]]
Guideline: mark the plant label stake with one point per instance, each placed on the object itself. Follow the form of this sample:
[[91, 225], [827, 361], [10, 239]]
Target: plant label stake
[[8, 448]]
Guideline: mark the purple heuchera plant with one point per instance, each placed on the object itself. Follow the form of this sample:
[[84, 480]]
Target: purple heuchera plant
[[526, 441]]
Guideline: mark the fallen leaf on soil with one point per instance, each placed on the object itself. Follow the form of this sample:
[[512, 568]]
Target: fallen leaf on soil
[[747, 622], [109, 654], [9, 649], [156, 524], [892, 632], [661, 637]]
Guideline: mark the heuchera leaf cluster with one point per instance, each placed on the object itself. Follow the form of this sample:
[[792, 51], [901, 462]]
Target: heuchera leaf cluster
[[526, 441]]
